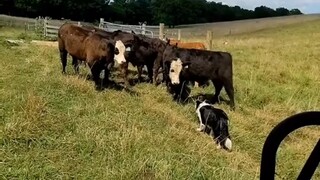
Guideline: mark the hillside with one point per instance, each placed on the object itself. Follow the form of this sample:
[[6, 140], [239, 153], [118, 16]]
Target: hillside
[[196, 31], [58, 127]]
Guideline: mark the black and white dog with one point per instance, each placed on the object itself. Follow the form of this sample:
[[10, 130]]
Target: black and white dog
[[214, 122]]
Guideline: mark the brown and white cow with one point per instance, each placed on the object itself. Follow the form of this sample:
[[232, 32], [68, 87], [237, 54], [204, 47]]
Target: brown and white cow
[[85, 45]]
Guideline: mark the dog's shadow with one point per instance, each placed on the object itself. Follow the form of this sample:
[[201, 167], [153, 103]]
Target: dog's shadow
[[116, 86], [143, 80], [111, 84]]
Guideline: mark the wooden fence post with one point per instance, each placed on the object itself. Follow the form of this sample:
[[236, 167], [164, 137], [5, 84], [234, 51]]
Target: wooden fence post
[[161, 31], [143, 29], [179, 34], [209, 39], [101, 22], [45, 23]]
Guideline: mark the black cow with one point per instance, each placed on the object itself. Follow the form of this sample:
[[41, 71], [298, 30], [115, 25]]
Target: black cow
[[182, 65]]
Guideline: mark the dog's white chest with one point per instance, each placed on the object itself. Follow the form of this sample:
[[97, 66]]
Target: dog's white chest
[[198, 110]]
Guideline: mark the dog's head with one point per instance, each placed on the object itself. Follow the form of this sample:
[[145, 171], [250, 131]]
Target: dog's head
[[199, 100]]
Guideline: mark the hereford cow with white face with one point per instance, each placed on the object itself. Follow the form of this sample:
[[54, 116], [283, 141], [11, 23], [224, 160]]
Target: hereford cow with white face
[[183, 65], [120, 49]]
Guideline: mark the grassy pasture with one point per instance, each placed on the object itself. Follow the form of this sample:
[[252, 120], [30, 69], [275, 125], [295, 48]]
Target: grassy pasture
[[58, 127]]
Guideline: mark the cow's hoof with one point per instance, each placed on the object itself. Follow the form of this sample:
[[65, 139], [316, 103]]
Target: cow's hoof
[[216, 100], [232, 108], [99, 88], [218, 146], [140, 80], [150, 81], [89, 77], [156, 83]]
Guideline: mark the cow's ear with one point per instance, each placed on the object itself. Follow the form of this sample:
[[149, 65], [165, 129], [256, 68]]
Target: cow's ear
[[168, 41], [197, 103], [128, 48], [186, 65]]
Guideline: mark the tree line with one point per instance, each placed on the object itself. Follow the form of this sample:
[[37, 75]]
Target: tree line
[[170, 12]]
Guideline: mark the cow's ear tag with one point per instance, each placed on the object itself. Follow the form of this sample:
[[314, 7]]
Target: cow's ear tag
[[187, 66], [128, 49]]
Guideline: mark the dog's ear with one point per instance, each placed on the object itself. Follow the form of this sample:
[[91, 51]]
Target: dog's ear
[[200, 98], [197, 103]]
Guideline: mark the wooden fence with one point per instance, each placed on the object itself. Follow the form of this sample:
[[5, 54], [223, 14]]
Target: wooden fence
[[51, 30], [47, 27], [151, 31]]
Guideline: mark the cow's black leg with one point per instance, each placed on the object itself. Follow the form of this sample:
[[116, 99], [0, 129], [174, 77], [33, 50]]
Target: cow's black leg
[[218, 86], [150, 73], [228, 86], [139, 68], [106, 80], [124, 73], [95, 71], [63, 58], [75, 64], [156, 67]]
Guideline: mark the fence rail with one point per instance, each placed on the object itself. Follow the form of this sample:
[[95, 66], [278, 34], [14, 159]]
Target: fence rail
[[151, 31], [50, 30]]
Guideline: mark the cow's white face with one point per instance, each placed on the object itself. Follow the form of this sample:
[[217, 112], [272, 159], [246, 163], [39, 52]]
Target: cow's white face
[[119, 52], [175, 70]]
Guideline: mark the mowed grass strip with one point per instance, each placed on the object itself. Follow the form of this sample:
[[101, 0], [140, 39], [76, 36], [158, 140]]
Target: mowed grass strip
[[56, 126]]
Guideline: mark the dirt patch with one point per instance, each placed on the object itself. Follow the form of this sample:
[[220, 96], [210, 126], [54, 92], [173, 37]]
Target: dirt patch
[[46, 43]]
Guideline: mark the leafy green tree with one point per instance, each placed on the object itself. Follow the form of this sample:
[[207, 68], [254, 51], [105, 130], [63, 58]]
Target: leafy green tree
[[170, 12], [263, 11], [295, 12], [7, 6], [282, 11]]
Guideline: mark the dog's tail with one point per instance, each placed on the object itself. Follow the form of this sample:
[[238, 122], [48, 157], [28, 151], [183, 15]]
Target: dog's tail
[[228, 144], [224, 129]]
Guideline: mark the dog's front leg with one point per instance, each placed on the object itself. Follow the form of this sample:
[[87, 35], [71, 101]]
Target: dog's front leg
[[201, 128]]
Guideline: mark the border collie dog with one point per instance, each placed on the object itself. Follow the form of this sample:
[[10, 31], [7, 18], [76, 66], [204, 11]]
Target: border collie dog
[[214, 122]]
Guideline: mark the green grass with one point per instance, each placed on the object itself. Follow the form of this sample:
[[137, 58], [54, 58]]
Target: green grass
[[58, 127]]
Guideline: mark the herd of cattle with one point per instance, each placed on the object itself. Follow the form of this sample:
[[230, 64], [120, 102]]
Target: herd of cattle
[[180, 63]]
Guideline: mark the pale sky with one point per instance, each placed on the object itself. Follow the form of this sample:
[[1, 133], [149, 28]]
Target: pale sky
[[305, 6]]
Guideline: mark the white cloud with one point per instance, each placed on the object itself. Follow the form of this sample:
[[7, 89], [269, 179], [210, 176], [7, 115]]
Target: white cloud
[[306, 6]]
